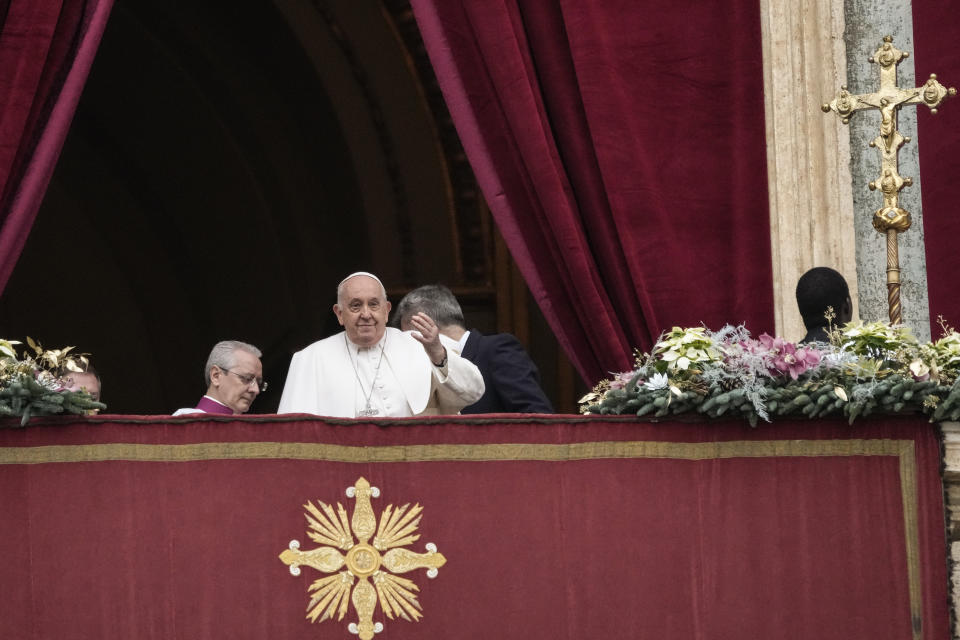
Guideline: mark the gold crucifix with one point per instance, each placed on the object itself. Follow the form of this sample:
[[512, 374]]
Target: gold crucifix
[[890, 219]]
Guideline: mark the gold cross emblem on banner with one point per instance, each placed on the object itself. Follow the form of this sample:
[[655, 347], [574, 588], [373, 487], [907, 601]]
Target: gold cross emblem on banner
[[890, 219], [365, 560]]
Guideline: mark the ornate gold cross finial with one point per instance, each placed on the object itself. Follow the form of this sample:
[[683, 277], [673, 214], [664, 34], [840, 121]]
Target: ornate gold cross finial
[[890, 219]]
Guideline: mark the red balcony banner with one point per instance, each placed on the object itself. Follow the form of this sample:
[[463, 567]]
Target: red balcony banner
[[535, 527]]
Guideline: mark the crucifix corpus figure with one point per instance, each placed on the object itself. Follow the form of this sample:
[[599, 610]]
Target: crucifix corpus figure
[[890, 219]]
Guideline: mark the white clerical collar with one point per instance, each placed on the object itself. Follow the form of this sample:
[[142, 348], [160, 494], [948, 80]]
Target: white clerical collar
[[212, 399], [356, 349], [462, 342]]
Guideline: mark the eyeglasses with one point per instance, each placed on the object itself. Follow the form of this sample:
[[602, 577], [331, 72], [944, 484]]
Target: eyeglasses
[[247, 379]]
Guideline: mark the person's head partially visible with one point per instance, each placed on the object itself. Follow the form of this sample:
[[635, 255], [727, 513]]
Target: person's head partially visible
[[362, 308], [818, 289], [438, 302], [87, 380], [234, 374]]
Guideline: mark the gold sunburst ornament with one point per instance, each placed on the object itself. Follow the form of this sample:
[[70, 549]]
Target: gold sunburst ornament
[[364, 561]]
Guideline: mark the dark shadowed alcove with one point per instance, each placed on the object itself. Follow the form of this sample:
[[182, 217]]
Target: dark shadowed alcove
[[226, 167]]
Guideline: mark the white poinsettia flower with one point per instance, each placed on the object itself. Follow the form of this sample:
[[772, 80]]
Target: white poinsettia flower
[[656, 382]]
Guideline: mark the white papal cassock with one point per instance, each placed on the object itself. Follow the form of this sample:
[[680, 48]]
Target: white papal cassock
[[333, 377]]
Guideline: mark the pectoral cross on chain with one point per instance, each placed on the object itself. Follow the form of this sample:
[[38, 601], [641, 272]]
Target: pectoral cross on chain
[[890, 219]]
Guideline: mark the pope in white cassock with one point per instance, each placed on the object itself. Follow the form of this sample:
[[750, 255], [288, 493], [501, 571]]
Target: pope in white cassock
[[370, 369]]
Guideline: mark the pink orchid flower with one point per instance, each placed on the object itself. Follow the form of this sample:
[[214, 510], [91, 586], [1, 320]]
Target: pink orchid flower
[[622, 379], [771, 343], [795, 360]]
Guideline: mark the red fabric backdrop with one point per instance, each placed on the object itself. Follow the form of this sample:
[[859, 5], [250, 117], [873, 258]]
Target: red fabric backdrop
[[620, 146], [46, 49], [936, 31], [563, 528]]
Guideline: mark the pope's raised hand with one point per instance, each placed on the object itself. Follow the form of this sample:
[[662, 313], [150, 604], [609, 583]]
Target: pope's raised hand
[[427, 333]]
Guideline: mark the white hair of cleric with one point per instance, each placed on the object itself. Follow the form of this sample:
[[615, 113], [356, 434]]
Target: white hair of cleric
[[383, 289], [222, 355]]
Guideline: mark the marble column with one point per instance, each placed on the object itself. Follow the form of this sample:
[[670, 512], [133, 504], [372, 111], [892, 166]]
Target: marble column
[[866, 23], [808, 154]]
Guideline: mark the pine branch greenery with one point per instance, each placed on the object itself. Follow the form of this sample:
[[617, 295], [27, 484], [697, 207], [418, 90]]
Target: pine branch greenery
[[864, 369], [31, 384]]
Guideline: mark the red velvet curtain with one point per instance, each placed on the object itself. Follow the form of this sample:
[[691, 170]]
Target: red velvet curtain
[[936, 31], [46, 49], [574, 527], [620, 147]]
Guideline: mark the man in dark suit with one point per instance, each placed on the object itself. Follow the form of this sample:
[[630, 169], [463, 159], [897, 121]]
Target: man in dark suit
[[511, 378], [818, 289]]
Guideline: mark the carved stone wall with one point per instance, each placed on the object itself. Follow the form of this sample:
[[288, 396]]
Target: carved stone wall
[[951, 491]]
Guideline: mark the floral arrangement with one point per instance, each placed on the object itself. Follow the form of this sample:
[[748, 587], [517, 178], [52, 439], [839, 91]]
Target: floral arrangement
[[32, 385], [864, 368]]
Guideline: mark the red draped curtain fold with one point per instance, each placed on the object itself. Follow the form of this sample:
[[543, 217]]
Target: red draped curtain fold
[[46, 49], [620, 147], [936, 31]]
